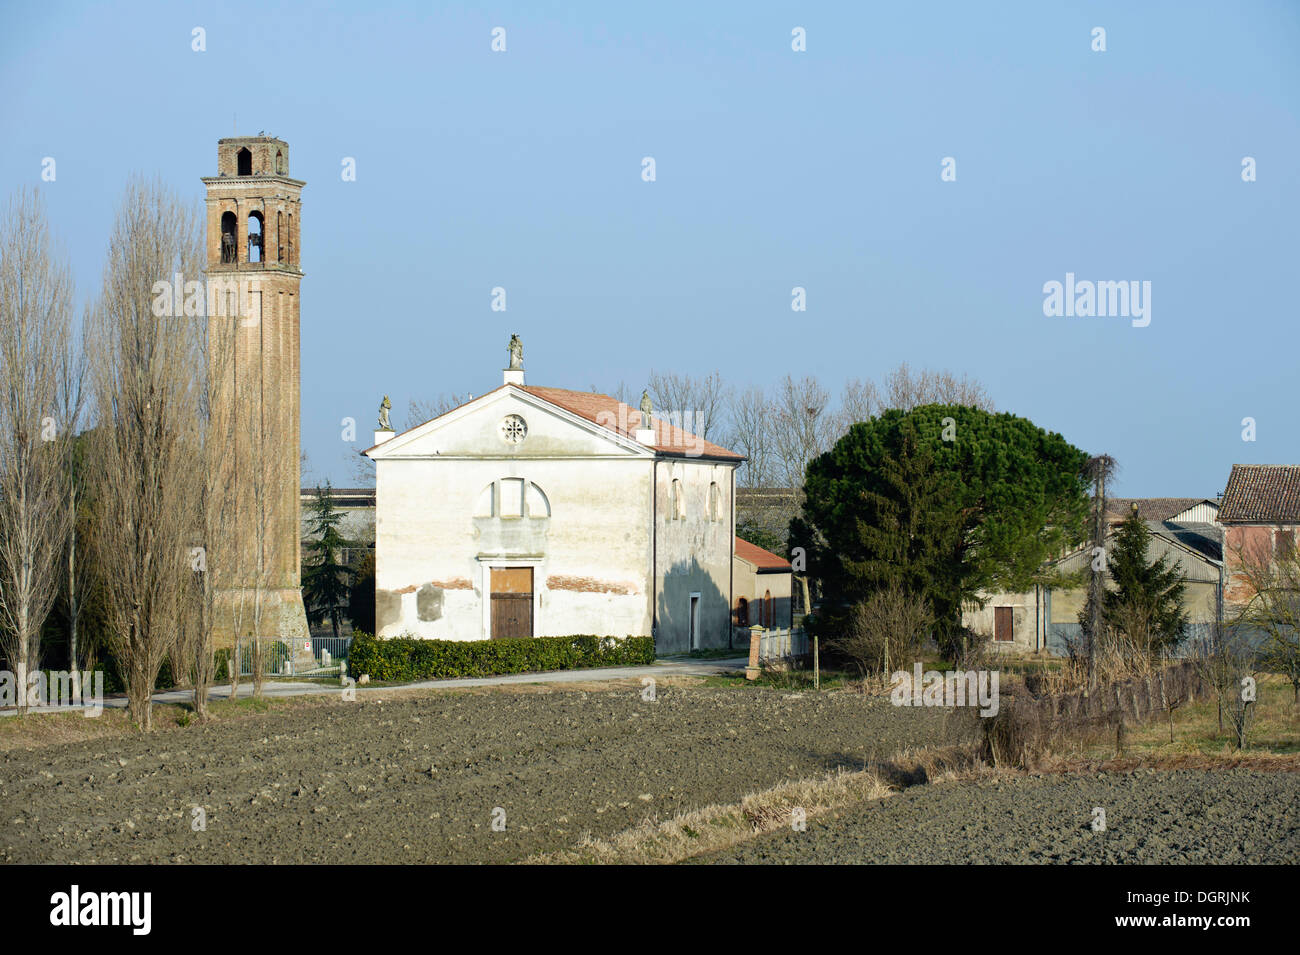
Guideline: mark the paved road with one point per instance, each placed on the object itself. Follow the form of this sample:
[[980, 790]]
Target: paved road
[[672, 667]]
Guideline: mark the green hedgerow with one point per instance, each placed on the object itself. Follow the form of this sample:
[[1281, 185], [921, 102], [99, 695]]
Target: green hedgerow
[[400, 659]]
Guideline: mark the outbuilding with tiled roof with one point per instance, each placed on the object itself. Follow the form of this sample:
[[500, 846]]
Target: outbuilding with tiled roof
[[1260, 515], [763, 583], [1262, 494]]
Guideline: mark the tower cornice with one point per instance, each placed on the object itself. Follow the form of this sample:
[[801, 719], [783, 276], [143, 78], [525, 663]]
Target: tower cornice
[[259, 179]]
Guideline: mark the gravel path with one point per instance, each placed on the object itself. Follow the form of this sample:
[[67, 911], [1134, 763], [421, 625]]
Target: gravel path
[[1152, 818], [416, 780]]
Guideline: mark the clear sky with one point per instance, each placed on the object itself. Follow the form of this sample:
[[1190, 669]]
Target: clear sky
[[775, 169]]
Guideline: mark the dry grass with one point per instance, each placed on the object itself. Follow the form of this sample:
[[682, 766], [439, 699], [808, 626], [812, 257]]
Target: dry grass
[[37, 730], [1274, 731], [719, 826]]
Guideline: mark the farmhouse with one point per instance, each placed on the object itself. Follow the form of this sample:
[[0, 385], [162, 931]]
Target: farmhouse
[[1183, 530], [1260, 516], [534, 511]]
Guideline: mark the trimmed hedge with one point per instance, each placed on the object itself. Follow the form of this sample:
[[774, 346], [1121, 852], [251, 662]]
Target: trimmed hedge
[[407, 658]]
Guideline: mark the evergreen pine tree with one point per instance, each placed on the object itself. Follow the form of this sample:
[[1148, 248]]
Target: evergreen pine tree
[[947, 501], [1147, 600], [325, 580]]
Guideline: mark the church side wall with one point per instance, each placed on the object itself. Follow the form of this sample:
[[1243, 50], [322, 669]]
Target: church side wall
[[693, 554], [590, 557]]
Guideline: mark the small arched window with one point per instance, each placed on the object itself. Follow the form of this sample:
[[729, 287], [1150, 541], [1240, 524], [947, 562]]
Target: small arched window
[[279, 162], [512, 498], [255, 237], [244, 161], [715, 502], [279, 236], [769, 618], [742, 612], [288, 259], [229, 238], [676, 501]]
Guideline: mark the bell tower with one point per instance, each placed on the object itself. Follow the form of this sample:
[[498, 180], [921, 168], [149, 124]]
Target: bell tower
[[254, 218]]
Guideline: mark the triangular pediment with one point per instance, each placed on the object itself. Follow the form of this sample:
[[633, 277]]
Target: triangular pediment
[[490, 427]]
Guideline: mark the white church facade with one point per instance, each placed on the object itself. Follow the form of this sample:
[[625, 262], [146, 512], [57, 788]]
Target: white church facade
[[534, 511]]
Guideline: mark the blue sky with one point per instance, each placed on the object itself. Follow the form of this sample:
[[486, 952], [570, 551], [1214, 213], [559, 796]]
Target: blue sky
[[775, 169]]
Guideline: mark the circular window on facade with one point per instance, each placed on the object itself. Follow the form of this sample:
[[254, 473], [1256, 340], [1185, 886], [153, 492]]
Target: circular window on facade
[[513, 429]]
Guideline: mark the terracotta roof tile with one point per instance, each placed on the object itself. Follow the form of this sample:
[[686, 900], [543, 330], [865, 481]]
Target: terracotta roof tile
[[1268, 493], [611, 413], [623, 419], [1151, 508], [762, 559]]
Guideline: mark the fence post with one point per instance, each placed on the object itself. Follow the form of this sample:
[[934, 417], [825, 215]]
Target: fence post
[[755, 650], [817, 664]]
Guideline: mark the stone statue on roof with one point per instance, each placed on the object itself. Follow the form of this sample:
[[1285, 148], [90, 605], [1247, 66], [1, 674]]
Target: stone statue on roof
[[384, 423], [647, 408], [516, 353]]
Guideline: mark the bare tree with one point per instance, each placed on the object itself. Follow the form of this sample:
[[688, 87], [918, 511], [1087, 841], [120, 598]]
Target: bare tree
[[257, 440], [211, 562], [1272, 581], [619, 393], [144, 376], [1100, 470], [859, 401], [35, 343], [361, 468], [79, 577], [885, 628], [701, 402], [906, 389], [419, 412], [751, 435], [1226, 663], [802, 427]]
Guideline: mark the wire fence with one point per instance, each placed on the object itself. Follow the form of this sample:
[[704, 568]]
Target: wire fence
[[320, 656]]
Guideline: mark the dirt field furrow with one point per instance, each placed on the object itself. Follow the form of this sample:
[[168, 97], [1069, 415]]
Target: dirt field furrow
[[1151, 818], [417, 780]]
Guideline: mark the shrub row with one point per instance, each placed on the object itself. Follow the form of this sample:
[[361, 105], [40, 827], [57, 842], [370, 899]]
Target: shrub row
[[408, 658]]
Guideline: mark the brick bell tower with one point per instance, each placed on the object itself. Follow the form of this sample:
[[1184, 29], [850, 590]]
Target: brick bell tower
[[254, 221]]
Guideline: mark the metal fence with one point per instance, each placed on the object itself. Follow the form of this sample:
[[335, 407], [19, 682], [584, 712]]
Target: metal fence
[[329, 652], [281, 658]]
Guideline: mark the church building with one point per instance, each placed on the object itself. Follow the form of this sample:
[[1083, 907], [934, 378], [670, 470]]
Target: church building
[[534, 511]]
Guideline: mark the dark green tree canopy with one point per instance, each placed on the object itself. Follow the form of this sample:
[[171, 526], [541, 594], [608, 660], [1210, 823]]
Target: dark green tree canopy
[[1147, 599], [325, 579], [947, 499]]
